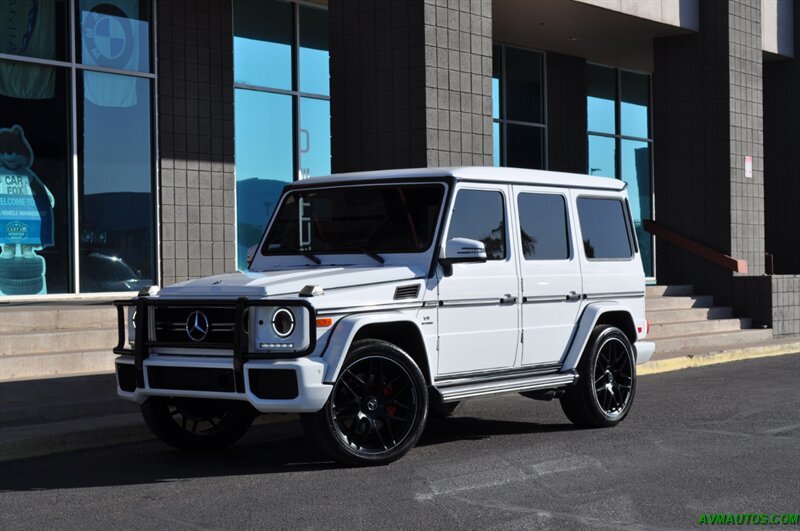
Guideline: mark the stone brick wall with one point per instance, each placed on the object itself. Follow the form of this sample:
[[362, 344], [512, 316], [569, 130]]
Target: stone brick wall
[[410, 83], [707, 107], [566, 113], [781, 162], [195, 138]]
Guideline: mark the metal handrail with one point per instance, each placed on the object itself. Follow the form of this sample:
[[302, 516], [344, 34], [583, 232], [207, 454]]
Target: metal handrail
[[730, 263]]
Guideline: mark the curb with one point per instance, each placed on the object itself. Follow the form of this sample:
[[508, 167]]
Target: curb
[[691, 360]]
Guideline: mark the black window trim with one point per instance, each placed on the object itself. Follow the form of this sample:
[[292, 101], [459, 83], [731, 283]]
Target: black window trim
[[568, 218], [625, 217], [300, 186], [506, 235]]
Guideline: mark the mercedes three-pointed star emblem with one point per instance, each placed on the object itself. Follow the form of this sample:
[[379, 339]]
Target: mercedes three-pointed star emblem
[[197, 326]]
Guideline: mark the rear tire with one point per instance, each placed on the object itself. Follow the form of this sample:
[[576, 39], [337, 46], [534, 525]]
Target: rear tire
[[606, 385], [197, 424], [377, 409]]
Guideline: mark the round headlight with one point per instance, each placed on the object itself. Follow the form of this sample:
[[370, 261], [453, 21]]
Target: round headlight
[[283, 322]]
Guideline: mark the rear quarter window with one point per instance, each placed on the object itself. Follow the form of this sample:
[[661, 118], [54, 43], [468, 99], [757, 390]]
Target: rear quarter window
[[604, 229]]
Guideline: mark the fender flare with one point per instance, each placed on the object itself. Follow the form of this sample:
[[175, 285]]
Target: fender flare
[[345, 331], [591, 314]]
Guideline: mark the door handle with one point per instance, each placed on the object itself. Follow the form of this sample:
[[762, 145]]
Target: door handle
[[508, 299], [573, 296]]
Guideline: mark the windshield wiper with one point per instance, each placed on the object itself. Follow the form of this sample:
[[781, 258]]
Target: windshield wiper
[[308, 254], [349, 246]]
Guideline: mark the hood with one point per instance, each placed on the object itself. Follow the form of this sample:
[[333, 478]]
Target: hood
[[288, 281]]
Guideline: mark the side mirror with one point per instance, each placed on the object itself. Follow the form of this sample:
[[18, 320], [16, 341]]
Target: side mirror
[[251, 253], [463, 250]]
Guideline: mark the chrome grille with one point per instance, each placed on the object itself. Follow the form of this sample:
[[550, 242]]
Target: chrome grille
[[170, 325]]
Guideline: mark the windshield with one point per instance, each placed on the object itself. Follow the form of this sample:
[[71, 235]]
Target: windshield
[[398, 218]]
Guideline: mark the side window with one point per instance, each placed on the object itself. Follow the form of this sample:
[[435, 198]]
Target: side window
[[479, 215], [603, 227], [543, 224]]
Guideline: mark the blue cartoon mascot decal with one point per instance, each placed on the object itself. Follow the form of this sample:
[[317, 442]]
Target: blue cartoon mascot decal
[[26, 217]]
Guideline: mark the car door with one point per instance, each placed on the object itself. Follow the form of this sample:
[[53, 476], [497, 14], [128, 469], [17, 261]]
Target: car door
[[550, 272], [478, 304]]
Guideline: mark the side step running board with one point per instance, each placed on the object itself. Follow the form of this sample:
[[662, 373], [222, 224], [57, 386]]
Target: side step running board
[[517, 385]]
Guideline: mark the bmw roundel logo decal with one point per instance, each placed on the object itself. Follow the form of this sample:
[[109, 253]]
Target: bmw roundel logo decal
[[108, 35]]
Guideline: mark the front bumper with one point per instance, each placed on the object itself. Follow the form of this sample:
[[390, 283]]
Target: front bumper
[[215, 372]]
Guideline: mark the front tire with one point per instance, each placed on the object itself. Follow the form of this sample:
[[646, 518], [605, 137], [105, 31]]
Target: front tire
[[377, 409], [197, 424], [606, 384]]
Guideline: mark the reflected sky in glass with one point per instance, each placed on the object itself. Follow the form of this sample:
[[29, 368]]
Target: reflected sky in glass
[[262, 51], [496, 154], [263, 129], [600, 100], [313, 56], [635, 98], [116, 159], [315, 137], [602, 157], [635, 160]]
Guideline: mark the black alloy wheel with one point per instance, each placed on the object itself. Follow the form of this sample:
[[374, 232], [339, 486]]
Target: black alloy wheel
[[197, 424], [377, 408], [613, 376], [606, 385]]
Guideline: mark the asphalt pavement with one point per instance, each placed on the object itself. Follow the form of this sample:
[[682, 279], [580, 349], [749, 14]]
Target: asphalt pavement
[[717, 439]]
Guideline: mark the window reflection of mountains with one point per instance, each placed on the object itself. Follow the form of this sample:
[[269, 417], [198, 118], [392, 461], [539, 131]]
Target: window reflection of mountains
[[255, 200]]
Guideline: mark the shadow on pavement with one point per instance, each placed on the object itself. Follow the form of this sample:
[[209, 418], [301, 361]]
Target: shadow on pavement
[[269, 449]]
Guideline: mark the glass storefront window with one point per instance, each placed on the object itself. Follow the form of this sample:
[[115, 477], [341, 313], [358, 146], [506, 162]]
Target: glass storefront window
[[524, 93], [114, 34], [116, 196], [618, 120], [282, 107], [35, 186], [35, 29], [76, 213], [314, 70], [519, 131], [601, 99], [315, 136], [634, 107], [264, 162], [602, 156], [262, 43], [635, 167], [524, 146]]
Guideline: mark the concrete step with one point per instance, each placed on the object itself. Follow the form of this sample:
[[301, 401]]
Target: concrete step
[[677, 303], [56, 364], [15, 319], [42, 342], [684, 328], [60, 398], [669, 290], [688, 314], [711, 340]]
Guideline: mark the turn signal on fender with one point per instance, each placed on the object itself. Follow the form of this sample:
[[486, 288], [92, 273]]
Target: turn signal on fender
[[324, 321]]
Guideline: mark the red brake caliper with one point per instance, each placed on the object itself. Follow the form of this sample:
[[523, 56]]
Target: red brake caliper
[[390, 409]]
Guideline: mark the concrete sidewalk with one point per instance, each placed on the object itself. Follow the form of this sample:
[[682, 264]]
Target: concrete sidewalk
[[120, 422]]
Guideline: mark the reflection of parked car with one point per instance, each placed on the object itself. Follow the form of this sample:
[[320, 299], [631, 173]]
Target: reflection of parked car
[[100, 272], [378, 298]]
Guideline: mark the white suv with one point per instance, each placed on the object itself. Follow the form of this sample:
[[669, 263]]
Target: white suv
[[378, 298]]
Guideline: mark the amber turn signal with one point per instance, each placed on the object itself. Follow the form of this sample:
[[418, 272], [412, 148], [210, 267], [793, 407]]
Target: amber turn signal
[[324, 321]]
